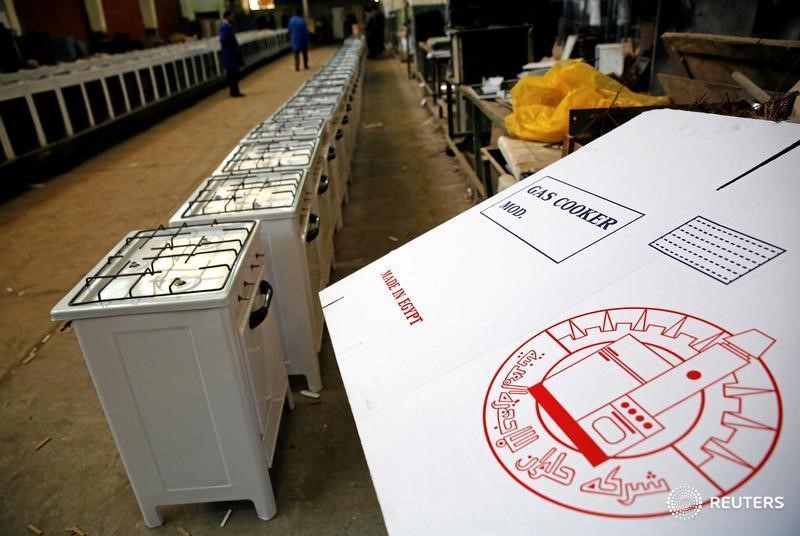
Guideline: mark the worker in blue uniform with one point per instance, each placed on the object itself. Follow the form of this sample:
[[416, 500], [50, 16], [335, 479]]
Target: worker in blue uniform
[[231, 53], [373, 31], [298, 34]]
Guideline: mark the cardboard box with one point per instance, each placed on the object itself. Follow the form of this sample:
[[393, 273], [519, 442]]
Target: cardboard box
[[609, 340]]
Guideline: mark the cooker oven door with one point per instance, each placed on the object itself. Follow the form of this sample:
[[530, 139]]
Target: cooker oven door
[[261, 365], [313, 237], [313, 261], [338, 159], [327, 223]]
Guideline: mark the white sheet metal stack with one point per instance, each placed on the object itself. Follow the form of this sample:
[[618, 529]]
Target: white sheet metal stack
[[189, 326]]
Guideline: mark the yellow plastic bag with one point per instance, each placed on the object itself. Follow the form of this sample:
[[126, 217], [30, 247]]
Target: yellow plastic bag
[[542, 103]]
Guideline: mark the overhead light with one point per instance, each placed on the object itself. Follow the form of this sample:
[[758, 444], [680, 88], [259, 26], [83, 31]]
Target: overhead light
[[256, 5]]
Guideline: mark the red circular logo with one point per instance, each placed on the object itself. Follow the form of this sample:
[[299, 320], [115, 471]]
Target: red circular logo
[[607, 412]]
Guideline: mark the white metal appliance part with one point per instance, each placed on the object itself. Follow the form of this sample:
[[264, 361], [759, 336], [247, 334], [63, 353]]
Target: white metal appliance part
[[184, 351], [289, 229]]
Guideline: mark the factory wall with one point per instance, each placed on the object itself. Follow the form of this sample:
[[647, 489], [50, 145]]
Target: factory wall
[[319, 8], [124, 16], [71, 18], [169, 17], [208, 6]]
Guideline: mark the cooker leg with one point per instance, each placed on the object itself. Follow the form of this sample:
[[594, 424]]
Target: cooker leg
[[151, 516], [314, 380], [265, 502]]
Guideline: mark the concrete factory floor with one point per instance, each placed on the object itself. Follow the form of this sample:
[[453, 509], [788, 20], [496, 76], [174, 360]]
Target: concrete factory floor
[[50, 236]]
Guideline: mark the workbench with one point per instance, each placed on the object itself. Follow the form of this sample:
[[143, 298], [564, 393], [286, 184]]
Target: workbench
[[440, 59], [482, 116]]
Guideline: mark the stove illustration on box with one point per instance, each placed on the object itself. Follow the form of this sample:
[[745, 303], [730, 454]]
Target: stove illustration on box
[[626, 385], [606, 412]]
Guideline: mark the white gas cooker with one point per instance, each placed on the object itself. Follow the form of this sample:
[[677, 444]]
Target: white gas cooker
[[344, 125], [184, 351], [292, 123], [305, 99], [321, 96], [289, 129], [270, 154], [230, 194], [286, 202], [339, 84], [290, 111], [296, 127], [175, 268]]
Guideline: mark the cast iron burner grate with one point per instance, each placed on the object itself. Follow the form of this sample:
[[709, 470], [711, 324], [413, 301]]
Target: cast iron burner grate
[[293, 111], [167, 261], [288, 128], [226, 194], [270, 155], [324, 99]]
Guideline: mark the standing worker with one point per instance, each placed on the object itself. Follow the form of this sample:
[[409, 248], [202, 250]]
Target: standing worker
[[298, 33], [349, 21], [373, 31], [231, 53]]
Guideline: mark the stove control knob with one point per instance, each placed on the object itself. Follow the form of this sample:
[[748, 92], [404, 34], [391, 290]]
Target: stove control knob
[[313, 227], [324, 184], [254, 266]]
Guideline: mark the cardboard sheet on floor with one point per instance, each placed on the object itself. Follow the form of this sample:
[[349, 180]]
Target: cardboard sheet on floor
[[610, 339]]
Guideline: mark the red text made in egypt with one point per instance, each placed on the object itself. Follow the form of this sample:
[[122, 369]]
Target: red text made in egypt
[[407, 307]]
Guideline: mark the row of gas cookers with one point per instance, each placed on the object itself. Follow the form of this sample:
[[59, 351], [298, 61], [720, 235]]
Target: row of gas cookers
[[189, 330]]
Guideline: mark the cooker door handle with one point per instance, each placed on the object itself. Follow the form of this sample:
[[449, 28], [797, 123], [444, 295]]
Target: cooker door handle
[[313, 227], [324, 183], [331, 153], [339, 134], [259, 315]]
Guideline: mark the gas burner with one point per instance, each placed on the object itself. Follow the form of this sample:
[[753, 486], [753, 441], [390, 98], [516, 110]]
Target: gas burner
[[292, 111], [292, 128], [324, 99], [270, 155], [225, 194], [178, 284], [167, 261]]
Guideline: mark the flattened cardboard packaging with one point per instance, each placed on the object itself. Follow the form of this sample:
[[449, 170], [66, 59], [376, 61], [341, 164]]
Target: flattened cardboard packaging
[[610, 346]]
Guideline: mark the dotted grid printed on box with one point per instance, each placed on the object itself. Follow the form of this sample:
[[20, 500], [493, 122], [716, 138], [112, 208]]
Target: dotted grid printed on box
[[718, 251]]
